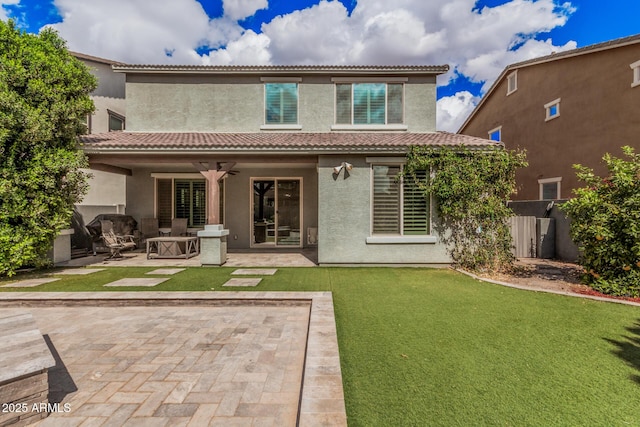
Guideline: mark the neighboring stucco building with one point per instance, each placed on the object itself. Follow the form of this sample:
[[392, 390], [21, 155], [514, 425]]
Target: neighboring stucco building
[[283, 156], [107, 191], [566, 108]]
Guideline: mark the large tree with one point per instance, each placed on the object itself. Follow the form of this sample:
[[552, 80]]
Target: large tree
[[44, 99]]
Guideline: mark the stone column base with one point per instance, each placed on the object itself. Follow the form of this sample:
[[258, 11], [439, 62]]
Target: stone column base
[[213, 245]]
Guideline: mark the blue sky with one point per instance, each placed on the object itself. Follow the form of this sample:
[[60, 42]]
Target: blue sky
[[476, 38]]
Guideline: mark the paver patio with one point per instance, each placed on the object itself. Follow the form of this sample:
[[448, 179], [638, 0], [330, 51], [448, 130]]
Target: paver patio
[[243, 282], [179, 358], [29, 283]]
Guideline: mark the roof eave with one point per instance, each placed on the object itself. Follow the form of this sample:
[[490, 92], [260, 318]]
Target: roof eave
[[142, 69]]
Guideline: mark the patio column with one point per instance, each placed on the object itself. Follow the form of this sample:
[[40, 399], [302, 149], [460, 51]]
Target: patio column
[[214, 173], [213, 239]]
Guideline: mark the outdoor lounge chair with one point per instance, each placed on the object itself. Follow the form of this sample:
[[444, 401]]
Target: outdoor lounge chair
[[117, 244], [149, 228], [179, 227]]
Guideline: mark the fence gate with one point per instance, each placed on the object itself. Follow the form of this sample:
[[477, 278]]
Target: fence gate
[[523, 236]]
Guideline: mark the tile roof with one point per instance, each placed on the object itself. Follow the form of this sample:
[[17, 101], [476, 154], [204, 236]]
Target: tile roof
[[282, 69], [579, 51], [328, 142], [93, 58]]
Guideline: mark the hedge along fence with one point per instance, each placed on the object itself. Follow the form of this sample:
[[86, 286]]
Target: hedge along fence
[[471, 189]]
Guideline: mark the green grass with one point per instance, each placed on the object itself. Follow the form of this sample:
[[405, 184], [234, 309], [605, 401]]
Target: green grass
[[434, 347]]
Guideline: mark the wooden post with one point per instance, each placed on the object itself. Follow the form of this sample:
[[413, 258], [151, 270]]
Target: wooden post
[[214, 173]]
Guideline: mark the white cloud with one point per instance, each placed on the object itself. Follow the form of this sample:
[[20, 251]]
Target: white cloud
[[3, 12], [452, 111], [240, 9], [321, 34], [133, 31], [250, 49]]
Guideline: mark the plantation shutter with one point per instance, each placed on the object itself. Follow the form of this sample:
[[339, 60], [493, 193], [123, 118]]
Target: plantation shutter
[[163, 201], [198, 204], [343, 104], [281, 103], [415, 206], [182, 198], [369, 103], [394, 103], [386, 200], [191, 201]]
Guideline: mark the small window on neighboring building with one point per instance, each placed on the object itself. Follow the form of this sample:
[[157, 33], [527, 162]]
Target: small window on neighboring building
[[635, 67], [550, 188], [281, 103], [87, 123], [552, 109], [512, 82], [496, 134], [116, 121]]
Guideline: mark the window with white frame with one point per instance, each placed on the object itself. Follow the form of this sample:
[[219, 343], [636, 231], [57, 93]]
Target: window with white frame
[[369, 103], [184, 197], [635, 67], [552, 109], [550, 188], [116, 121], [399, 206], [281, 103], [512, 82], [496, 134]]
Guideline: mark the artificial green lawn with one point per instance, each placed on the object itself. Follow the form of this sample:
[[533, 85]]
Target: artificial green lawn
[[434, 347]]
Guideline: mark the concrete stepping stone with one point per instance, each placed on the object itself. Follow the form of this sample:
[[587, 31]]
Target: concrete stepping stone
[[138, 282], [29, 283], [166, 271], [255, 271], [243, 282], [79, 271]]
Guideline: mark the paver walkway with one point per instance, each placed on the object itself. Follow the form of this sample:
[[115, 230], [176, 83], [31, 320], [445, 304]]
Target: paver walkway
[[179, 361]]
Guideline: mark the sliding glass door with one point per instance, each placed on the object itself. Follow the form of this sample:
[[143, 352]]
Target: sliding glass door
[[277, 212]]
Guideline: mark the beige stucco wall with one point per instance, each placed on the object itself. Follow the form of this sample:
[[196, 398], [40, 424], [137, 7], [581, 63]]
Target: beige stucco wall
[[107, 191], [222, 103], [598, 114], [344, 221]]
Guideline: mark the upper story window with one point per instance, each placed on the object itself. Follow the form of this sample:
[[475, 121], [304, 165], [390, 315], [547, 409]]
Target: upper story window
[[370, 102], [281, 103], [496, 134], [116, 121], [636, 73], [552, 109], [512, 82]]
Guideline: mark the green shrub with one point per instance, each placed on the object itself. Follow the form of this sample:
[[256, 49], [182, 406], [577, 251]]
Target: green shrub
[[44, 97], [471, 189], [606, 225]]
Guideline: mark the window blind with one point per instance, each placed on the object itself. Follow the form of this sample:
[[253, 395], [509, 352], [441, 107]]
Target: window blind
[[343, 103], [386, 200], [415, 206], [281, 103], [394, 104], [369, 103]]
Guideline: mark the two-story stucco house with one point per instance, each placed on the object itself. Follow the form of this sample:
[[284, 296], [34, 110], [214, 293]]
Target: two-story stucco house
[[283, 156], [566, 108]]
